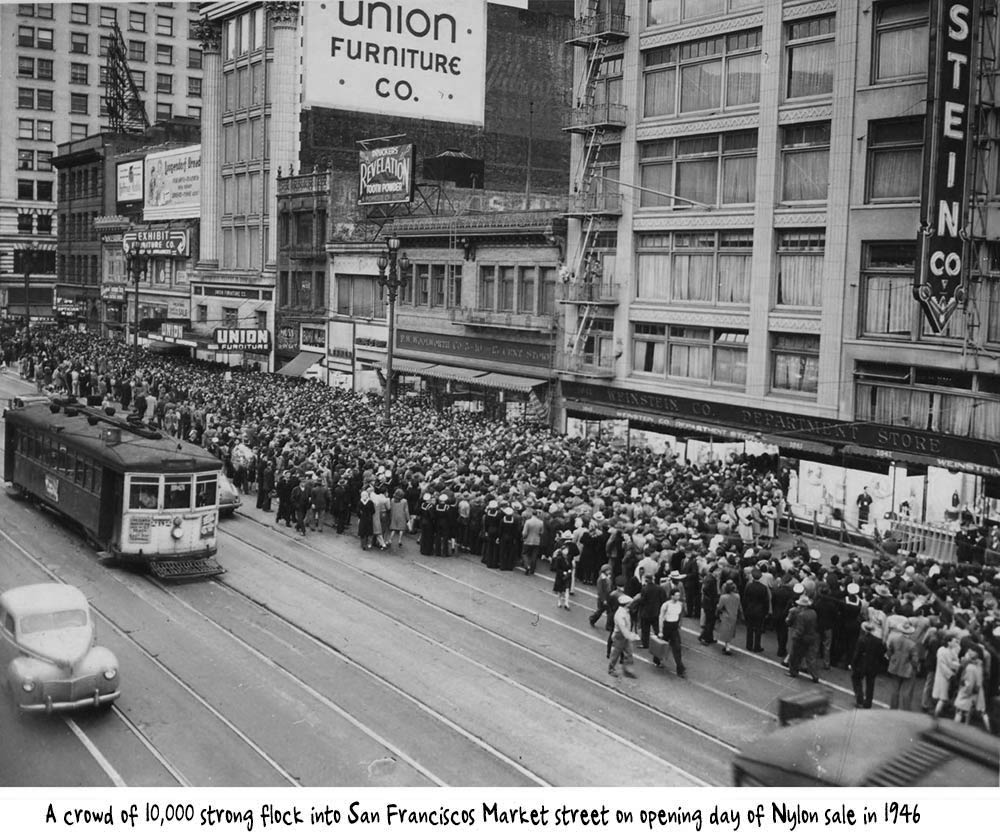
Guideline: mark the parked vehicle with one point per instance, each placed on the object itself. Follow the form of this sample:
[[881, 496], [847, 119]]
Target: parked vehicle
[[229, 497], [49, 654]]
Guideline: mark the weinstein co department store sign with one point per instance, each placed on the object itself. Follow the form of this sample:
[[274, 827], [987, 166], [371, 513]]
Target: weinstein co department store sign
[[423, 59]]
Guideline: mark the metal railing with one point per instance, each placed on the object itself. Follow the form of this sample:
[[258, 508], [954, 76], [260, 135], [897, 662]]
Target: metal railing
[[587, 116], [606, 25], [595, 203], [592, 291]]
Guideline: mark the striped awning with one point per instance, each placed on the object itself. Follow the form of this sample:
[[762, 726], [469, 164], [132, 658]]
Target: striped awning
[[404, 365], [502, 381], [449, 373]]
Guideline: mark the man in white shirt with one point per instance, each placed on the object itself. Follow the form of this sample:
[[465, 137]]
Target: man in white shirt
[[670, 626], [621, 638]]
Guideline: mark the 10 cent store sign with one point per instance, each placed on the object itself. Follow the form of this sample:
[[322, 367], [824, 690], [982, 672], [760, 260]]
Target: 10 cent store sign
[[415, 60]]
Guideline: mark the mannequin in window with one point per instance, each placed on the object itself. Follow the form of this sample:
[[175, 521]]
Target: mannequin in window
[[864, 502]]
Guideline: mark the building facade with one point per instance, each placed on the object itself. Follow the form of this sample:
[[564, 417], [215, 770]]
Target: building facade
[[53, 73], [748, 196]]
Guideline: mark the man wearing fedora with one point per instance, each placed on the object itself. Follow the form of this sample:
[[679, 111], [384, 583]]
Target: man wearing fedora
[[901, 649], [604, 587], [866, 664], [621, 639], [804, 632]]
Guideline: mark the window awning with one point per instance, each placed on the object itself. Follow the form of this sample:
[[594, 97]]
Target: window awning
[[502, 381], [302, 362], [443, 371], [404, 365]]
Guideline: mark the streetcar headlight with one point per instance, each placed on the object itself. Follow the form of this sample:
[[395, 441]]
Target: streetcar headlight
[[110, 673], [28, 685], [177, 533]]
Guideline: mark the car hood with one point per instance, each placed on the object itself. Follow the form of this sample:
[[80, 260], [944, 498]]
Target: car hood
[[62, 647]]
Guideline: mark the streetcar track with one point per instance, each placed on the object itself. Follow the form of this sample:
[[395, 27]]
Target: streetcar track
[[172, 769], [439, 608]]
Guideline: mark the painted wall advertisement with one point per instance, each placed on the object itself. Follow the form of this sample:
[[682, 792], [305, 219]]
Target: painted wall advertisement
[[130, 181], [173, 184], [385, 175], [418, 60]]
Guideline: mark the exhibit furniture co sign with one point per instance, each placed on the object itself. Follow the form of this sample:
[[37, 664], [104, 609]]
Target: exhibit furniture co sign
[[385, 175], [415, 60], [174, 242], [942, 269]]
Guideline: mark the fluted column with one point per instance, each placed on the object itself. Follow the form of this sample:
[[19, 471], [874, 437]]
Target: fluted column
[[283, 18], [210, 35]]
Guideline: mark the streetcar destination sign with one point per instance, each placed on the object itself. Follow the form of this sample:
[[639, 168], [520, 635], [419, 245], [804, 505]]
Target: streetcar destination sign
[[941, 272]]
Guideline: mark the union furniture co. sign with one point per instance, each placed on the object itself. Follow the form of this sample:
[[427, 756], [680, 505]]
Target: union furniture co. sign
[[423, 59]]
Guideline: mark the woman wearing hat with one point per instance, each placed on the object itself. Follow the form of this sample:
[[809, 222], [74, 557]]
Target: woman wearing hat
[[560, 582], [971, 697], [729, 610], [366, 514]]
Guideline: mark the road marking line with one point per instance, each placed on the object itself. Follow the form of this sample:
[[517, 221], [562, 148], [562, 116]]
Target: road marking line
[[102, 761]]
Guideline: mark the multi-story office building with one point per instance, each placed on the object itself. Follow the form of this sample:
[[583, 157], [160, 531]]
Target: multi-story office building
[[52, 73], [750, 177]]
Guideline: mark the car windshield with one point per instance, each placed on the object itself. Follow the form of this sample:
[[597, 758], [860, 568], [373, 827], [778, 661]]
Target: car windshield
[[58, 620]]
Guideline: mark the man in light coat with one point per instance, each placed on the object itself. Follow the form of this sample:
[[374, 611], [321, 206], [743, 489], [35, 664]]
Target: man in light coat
[[621, 639], [901, 648]]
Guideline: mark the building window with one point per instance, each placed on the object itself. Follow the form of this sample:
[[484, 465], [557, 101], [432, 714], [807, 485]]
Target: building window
[[103, 45], [649, 349], [689, 352], [137, 50], [164, 53], [25, 224], [194, 59], [507, 285], [487, 287], [43, 100], [164, 110], [26, 9], [164, 83], [194, 87], [140, 79], [810, 57], [795, 363], [79, 12], [45, 66], [43, 10], [137, 21], [25, 67], [800, 268], [709, 74], [77, 131], [710, 267], [79, 43], [230, 316], [895, 153], [665, 12], [25, 159], [25, 98], [44, 223], [805, 162], [902, 35], [360, 296], [25, 189], [109, 16], [25, 128], [202, 313], [25, 35], [714, 169], [888, 307], [44, 191], [164, 26], [79, 74], [44, 159], [102, 106], [78, 103]]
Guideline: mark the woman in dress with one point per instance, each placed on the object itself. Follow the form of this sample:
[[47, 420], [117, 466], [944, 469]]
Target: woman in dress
[[970, 696], [562, 569], [366, 515], [945, 669], [399, 517], [728, 611]]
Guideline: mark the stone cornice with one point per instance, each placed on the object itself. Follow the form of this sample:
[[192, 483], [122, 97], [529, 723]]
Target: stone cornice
[[682, 222], [796, 115], [690, 127], [706, 30], [810, 325], [801, 10], [672, 315], [799, 218]]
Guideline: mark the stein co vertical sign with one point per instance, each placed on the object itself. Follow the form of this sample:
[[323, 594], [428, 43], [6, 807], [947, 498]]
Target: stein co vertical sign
[[942, 268]]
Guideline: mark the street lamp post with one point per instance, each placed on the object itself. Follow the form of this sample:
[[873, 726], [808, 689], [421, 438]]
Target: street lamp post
[[135, 266], [393, 268]]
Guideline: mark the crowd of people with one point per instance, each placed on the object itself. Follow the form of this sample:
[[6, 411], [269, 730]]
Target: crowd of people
[[658, 539]]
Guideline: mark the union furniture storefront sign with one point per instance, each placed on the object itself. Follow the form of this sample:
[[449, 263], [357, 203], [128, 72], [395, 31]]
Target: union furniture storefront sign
[[485, 349]]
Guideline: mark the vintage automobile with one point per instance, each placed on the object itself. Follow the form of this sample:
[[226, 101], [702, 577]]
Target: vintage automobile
[[50, 660], [229, 497]]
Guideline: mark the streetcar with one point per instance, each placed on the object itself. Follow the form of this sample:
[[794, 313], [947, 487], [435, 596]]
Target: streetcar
[[143, 498], [871, 748]]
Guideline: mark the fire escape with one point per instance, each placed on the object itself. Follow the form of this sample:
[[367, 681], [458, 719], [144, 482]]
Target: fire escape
[[126, 110], [595, 204]]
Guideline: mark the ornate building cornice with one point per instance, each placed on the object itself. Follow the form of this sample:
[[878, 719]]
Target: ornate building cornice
[[795, 219], [800, 10], [795, 115], [690, 127], [209, 34], [716, 27], [284, 14], [809, 325], [672, 315], [684, 221]]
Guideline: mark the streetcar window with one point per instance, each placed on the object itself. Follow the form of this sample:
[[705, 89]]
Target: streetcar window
[[177, 492], [205, 495], [80, 471], [144, 492]]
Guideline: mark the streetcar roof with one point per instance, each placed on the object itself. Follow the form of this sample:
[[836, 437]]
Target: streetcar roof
[[873, 747], [132, 453], [41, 598]]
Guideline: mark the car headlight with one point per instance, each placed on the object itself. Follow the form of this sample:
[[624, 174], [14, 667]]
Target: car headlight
[[110, 673], [28, 685]]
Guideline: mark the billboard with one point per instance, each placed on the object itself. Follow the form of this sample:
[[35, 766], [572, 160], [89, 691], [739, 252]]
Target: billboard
[[385, 175], [173, 184], [130, 181], [420, 60], [942, 269]]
